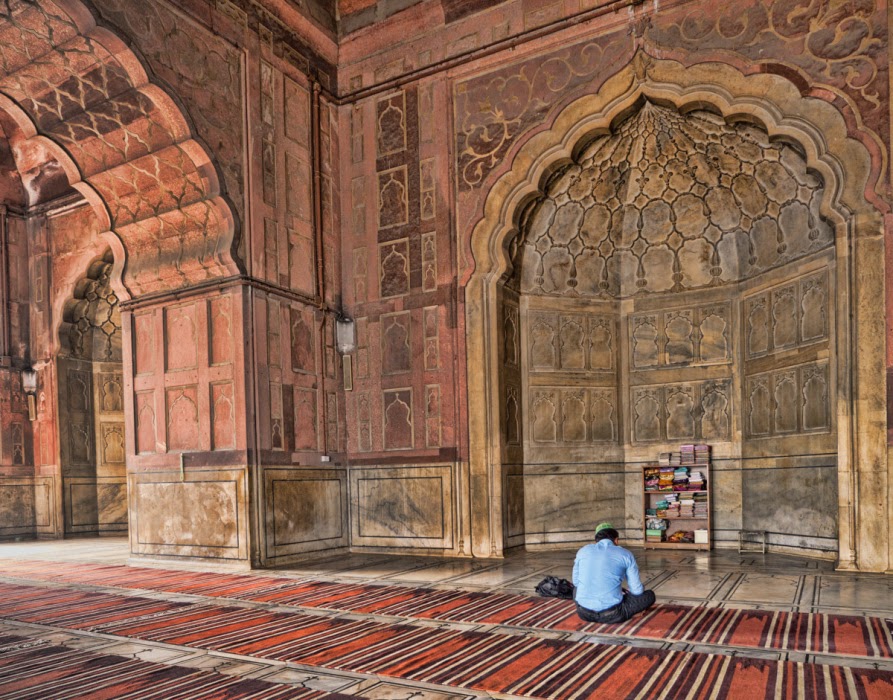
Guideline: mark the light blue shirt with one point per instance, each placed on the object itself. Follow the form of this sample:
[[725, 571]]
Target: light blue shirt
[[599, 569]]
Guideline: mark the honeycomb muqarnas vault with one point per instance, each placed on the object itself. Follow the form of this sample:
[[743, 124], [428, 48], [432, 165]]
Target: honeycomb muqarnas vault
[[437, 277]]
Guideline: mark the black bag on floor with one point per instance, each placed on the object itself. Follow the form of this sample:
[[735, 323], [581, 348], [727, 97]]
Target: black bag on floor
[[554, 587]]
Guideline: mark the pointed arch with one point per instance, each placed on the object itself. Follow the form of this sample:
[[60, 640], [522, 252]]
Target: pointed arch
[[777, 106]]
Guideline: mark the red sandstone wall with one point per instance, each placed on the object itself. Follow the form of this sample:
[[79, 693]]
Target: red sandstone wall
[[15, 445], [435, 103], [401, 270], [498, 75]]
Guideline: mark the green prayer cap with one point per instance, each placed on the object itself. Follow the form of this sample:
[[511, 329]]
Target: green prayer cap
[[602, 526]]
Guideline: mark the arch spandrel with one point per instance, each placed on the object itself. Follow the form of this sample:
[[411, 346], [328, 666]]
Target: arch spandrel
[[853, 241]]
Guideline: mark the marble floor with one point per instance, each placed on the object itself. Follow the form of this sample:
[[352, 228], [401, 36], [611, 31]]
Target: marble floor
[[718, 579]]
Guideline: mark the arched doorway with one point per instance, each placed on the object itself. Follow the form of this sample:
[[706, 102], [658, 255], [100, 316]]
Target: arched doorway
[[671, 263], [91, 407]]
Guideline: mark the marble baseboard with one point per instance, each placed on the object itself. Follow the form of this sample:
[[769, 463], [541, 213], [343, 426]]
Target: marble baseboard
[[408, 507], [305, 510], [95, 506], [17, 507], [203, 515], [793, 498]]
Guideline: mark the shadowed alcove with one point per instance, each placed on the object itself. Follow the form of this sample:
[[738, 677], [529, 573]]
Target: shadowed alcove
[[91, 406], [671, 284]]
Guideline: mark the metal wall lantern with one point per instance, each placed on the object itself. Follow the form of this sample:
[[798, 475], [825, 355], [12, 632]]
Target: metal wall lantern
[[29, 385], [346, 340]]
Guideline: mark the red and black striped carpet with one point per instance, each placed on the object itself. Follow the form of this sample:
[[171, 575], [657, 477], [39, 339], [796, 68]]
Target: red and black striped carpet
[[32, 670], [818, 633], [488, 660]]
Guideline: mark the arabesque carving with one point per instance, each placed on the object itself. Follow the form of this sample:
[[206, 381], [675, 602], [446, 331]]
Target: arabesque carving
[[836, 43]]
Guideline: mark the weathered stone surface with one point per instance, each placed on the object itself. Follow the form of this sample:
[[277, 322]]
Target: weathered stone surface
[[166, 521], [564, 255], [402, 506]]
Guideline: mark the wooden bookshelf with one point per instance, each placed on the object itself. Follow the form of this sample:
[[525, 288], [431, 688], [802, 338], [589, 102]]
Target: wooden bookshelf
[[676, 493]]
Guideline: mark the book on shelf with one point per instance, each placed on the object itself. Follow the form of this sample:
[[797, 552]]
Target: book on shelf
[[676, 497]]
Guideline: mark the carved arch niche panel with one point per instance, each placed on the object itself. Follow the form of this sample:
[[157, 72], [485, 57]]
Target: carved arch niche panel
[[576, 343], [564, 416], [695, 336], [788, 401], [569, 374], [682, 412], [78, 421], [788, 316]]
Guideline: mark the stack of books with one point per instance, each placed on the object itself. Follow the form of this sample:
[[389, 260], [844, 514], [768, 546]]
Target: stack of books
[[669, 459], [680, 479], [700, 500], [702, 455], [655, 528], [654, 535], [687, 507], [687, 455], [672, 501]]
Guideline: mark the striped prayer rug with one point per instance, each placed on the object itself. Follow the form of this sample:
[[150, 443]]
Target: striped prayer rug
[[818, 633], [481, 660], [34, 670]]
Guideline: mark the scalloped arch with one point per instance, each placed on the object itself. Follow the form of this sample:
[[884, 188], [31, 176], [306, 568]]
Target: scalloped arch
[[844, 164], [123, 143], [814, 125]]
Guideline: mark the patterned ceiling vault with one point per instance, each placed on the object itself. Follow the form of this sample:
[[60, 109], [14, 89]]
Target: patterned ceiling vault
[[669, 202]]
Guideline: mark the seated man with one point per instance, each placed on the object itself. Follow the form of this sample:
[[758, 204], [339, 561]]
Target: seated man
[[599, 570]]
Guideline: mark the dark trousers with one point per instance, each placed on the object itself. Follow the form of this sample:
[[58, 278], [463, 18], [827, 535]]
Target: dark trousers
[[629, 606]]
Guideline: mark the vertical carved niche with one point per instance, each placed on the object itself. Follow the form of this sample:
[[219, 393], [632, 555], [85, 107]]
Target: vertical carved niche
[[91, 404], [511, 376]]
